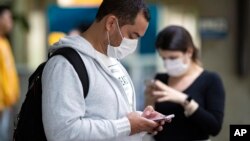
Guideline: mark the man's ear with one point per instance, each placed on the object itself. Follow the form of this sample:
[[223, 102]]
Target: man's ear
[[110, 22]]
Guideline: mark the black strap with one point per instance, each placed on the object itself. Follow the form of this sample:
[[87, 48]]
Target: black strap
[[76, 61]]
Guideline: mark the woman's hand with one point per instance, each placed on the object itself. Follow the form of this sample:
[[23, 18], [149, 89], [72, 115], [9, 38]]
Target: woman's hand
[[163, 93]]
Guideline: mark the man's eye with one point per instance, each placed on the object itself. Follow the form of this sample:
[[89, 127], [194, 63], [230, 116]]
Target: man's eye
[[173, 58], [131, 37]]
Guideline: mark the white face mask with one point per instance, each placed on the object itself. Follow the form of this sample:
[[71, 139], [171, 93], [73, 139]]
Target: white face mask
[[176, 67], [126, 47]]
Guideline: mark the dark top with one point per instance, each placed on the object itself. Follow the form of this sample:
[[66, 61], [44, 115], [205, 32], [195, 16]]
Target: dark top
[[207, 90]]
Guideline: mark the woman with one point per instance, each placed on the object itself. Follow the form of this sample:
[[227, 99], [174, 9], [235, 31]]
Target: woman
[[196, 96]]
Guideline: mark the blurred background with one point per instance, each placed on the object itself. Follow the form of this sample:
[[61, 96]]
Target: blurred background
[[220, 29]]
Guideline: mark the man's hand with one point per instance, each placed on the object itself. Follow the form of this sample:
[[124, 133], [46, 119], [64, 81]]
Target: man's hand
[[141, 124], [144, 123], [150, 113]]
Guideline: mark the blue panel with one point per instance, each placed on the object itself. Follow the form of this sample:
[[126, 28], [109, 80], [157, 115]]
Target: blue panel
[[148, 41], [65, 19]]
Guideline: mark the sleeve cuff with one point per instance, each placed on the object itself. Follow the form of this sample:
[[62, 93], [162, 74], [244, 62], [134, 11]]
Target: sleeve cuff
[[123, 126], [191, 108]]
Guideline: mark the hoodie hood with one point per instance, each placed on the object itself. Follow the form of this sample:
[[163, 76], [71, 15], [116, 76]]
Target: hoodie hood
[[76, 42], [81, 45]]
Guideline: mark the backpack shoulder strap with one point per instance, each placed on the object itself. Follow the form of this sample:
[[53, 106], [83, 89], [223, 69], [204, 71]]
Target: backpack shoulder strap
[[76, 61]]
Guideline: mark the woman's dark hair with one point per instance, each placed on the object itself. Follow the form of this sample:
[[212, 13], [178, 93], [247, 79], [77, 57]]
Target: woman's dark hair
[[176, 38], [125, 10]]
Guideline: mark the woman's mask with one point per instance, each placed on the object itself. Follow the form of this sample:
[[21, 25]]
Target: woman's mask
[[176, 67], [126, 47]]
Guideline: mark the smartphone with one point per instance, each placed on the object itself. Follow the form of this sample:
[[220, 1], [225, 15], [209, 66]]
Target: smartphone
[[168, 117]]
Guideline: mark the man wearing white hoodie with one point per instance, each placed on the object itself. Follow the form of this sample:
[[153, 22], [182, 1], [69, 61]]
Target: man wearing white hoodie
[[108, 112]]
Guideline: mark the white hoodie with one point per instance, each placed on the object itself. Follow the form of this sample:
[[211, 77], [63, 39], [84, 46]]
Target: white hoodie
[[67, 116]]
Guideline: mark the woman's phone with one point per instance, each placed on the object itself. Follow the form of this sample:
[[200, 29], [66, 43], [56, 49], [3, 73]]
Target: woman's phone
[[168, 117]]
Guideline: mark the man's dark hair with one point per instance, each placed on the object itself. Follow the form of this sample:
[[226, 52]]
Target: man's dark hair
[[3, 8], [125, 10]]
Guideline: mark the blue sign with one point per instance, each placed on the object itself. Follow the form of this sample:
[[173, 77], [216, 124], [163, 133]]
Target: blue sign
[[213, 28]]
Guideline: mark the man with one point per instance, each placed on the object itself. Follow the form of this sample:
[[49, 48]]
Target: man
[[108, 112], [9, 84]]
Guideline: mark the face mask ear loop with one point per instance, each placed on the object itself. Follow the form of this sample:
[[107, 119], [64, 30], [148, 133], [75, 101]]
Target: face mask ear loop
[[119, 28], [108, 38]]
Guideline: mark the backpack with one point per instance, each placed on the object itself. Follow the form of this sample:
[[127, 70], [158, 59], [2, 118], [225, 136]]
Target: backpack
[[29, 121]]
